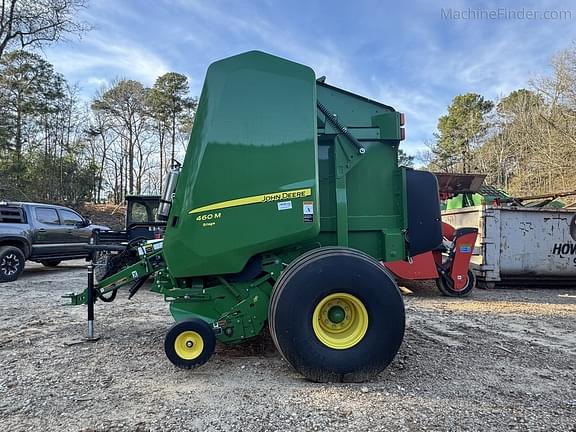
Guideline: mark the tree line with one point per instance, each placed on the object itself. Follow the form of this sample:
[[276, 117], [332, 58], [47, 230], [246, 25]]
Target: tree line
[[55, 147], [525, 142]]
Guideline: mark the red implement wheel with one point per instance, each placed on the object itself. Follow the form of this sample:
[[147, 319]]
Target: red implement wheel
[[446, 286]]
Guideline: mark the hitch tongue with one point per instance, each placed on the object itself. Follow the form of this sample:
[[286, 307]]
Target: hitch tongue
[[77, 299]]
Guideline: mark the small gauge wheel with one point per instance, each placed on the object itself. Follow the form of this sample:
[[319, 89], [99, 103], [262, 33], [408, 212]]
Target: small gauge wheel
[[446, 286], [189, 344]]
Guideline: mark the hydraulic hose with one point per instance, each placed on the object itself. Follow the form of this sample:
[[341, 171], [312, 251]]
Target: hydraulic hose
[[106, 299]]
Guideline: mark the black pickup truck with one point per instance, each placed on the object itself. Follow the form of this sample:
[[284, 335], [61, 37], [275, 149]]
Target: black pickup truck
[[44, 233]]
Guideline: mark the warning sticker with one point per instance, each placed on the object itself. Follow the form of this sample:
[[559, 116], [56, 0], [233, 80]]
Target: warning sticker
[[308, 210], [284, 205]]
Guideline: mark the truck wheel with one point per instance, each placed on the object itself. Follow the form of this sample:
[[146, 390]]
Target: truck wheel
[[446, 286], [12, 262], [189, 344], [336, 315], [51, 263]]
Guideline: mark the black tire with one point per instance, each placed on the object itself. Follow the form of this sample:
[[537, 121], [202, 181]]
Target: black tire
[[12, 262], [446, 287], [310, 282], [191, 332], [101, 263], [51, 263], [107, 264]]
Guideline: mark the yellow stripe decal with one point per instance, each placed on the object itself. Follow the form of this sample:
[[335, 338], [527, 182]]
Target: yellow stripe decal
[[255, 199]]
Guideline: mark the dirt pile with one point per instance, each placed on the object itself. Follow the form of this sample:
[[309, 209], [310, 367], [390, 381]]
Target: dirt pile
[[110, 215]]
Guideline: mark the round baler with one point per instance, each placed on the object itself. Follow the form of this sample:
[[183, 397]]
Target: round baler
[[288, 200]]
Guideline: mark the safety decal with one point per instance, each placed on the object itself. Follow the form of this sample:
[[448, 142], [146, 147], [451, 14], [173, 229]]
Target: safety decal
[[465, 248], [308, 210]]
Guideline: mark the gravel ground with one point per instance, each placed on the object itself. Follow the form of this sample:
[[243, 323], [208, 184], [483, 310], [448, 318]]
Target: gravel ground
[[499, 360]]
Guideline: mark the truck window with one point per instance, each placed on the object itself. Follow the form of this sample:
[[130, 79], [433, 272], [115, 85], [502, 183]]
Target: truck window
[[70, 218], [11, 215], [47, 216]]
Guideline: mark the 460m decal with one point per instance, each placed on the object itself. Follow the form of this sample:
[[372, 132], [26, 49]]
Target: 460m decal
[[255, 199]]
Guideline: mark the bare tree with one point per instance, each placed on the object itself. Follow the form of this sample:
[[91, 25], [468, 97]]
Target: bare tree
[[528, 144], [124, 103], [173, 110], [101, 139], [35, 23]]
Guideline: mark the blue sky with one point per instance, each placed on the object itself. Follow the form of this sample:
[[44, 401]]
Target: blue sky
[[404, 53]]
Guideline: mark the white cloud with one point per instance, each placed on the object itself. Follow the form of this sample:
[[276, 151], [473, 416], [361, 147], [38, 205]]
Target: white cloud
[[422, 110], [218, 28], [116, 58], [98, 82]]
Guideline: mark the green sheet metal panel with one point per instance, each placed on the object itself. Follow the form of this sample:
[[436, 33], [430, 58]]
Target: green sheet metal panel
[[375, 190], [250, 173]]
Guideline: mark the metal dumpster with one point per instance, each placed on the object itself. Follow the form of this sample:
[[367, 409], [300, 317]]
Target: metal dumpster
[[519, 245]]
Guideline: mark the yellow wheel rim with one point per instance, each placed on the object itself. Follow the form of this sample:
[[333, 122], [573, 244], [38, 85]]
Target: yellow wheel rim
[[188, 345], [340, 321]]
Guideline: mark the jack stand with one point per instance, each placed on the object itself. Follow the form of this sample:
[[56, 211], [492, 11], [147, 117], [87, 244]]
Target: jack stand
[[90, 297]]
